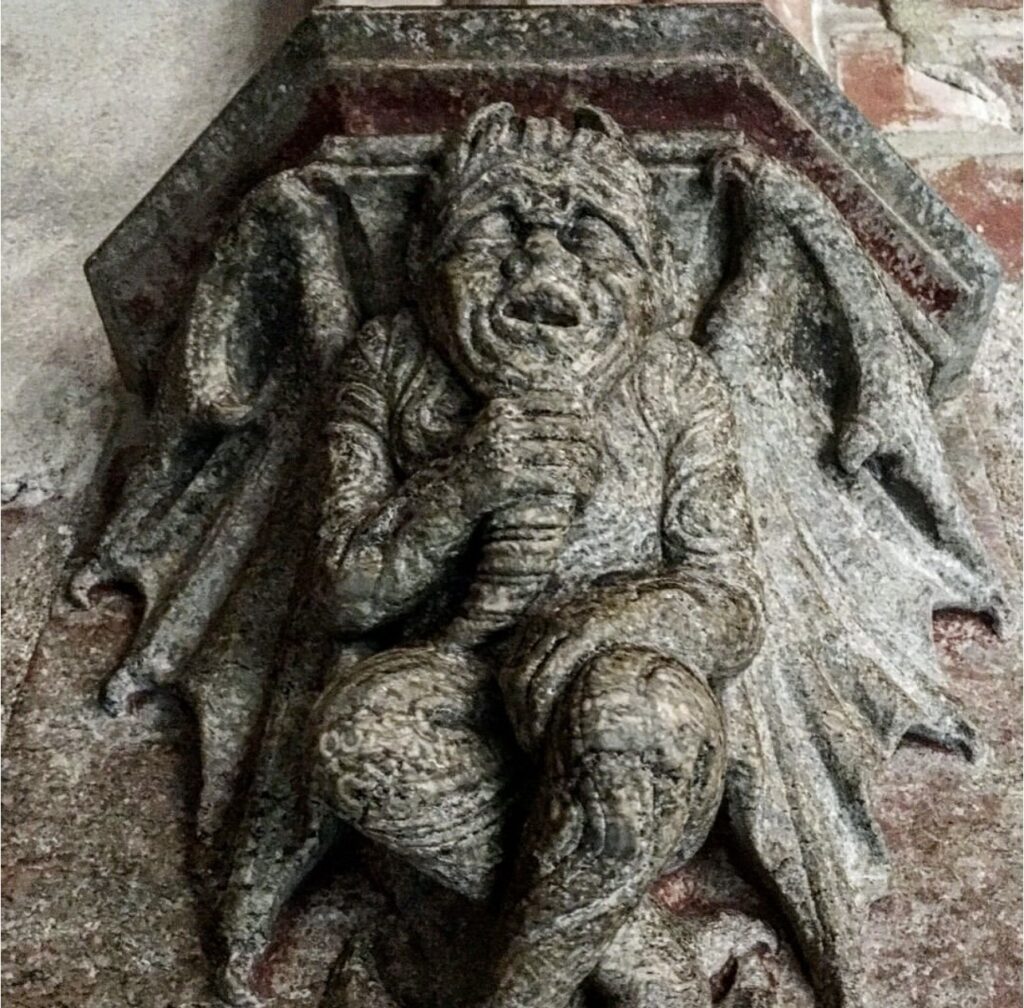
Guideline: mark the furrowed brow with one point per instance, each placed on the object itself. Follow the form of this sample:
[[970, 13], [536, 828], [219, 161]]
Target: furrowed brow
[[632, 237], [462, 213]]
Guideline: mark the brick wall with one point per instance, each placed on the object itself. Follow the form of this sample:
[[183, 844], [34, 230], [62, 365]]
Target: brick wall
[[943, 80]]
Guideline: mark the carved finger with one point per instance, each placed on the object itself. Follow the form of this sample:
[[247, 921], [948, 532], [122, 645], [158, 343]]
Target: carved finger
[[561, 428], [80, 585], [119, 691], [859, 440], [543, 452]]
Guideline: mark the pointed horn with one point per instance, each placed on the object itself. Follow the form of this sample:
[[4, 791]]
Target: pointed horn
[[487, 120], [598, 121]]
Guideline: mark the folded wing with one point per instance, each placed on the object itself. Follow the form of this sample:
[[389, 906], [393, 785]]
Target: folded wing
[[862, 536]]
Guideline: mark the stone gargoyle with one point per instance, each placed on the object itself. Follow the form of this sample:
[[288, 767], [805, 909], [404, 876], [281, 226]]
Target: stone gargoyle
[[509, 597]]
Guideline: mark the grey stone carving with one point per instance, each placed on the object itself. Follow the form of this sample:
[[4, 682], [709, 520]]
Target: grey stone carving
[[616, 528]]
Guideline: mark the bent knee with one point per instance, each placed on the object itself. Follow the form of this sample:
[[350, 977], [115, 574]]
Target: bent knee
[[643, 739], [636, 701], [379, 729], [405, 750]]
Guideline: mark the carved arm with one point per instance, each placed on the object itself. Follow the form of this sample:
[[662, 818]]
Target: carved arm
[[703, 608], [398, 548], [707, 530]]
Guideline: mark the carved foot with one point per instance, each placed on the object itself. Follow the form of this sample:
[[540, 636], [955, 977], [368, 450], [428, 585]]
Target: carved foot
[[355, 983], [234, 983], [647, 966], [659, 960]]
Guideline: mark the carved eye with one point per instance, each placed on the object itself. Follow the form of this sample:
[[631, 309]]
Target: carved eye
[[493, 228], [592, 234]]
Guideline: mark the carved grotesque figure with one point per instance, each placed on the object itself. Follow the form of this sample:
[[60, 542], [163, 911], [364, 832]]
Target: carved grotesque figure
[[501, 599], [539, 437]]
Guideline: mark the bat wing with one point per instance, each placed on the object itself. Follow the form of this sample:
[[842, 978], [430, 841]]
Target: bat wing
[[214, 529], [862, 536]]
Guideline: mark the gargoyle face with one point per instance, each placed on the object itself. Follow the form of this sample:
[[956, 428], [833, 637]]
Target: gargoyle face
[[542, 275]]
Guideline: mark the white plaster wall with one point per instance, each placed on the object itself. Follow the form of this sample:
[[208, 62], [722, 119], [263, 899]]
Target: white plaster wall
[[99, 98]]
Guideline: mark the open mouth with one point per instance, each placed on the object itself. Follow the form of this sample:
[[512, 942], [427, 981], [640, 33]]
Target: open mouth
[[543, 307]]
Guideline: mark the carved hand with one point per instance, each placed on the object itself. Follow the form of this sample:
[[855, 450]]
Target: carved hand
[[530, 448], [527, 465]]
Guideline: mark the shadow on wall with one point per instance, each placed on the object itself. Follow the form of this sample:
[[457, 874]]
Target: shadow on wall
[[276, 18]]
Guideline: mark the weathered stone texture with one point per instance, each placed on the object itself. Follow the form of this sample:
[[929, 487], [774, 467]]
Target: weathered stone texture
[[99, 912], [944, 81], [132, 86]]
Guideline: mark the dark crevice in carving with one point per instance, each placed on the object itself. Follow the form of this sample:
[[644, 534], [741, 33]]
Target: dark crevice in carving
[[724, 980], [907, 497]]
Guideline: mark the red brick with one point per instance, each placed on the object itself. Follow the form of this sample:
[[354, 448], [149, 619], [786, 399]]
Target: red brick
[[1011, 73], [797, 17], [987, 4], [986, 194], [894, 95], [871, 73]]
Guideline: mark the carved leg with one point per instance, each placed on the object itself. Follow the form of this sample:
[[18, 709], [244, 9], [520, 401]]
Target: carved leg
[[633, 772], [411, 750], [354, 982]]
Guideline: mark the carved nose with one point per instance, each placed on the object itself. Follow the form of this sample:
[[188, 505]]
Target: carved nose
[[543, 306], [541, 250]]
